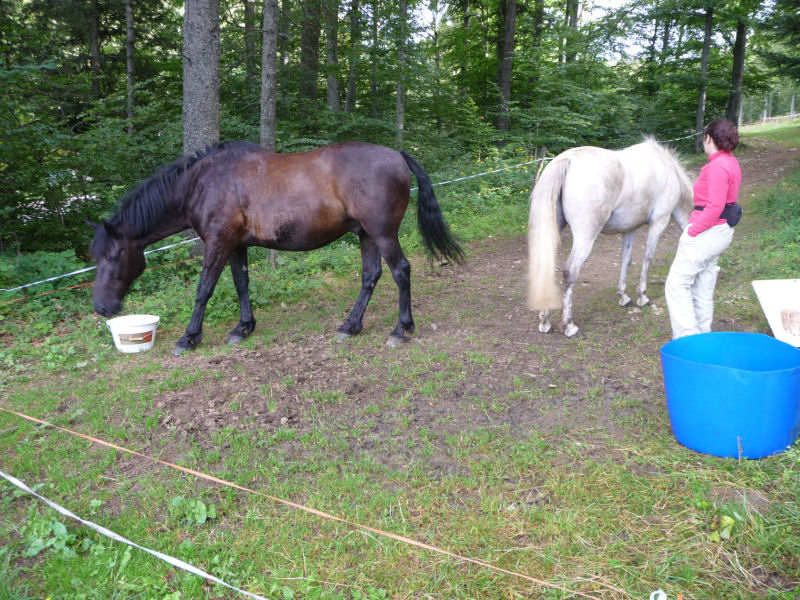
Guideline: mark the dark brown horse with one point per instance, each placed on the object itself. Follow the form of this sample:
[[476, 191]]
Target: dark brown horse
[[238, 194]]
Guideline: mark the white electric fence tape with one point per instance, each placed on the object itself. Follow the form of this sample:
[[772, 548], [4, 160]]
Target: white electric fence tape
[[118, 538], [79, 271]]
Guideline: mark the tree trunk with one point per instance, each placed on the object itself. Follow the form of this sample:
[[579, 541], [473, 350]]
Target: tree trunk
[[373, 84], [679, 42], [438, 64], [200, 74], [665, 47], [739, 51], [571, 11], [309, 51], [129, 48], [269, 74], [355, 48], [505, 55], [94, 42], [251, 43], [331, 8], [650, 61], [400, 101], [284, 26], [462, 73], [536, 43], [701, 100], [538, 23]]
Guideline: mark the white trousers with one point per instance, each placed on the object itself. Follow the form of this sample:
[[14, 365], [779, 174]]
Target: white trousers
[[689, 289]]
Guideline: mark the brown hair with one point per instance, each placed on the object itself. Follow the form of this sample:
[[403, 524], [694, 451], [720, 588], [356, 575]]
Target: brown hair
[[724, 134]]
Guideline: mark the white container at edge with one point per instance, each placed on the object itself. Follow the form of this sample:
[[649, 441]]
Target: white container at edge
[[133, 333]]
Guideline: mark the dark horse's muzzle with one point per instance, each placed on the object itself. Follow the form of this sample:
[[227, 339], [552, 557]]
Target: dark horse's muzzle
[[107, 309]]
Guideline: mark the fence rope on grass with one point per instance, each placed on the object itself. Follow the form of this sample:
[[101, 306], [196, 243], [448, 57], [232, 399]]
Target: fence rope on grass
[[176, 562], [307, 509]]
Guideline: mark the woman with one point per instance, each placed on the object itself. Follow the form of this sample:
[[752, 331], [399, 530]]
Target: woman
[[689, 289]]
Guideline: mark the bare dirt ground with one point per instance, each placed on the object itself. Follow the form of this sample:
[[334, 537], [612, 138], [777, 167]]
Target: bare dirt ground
[[476, 360]]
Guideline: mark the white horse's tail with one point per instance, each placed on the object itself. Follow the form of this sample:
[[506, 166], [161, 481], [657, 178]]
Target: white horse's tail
[[544, 290]]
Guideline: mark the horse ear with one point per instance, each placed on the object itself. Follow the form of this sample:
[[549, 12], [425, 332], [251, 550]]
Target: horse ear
[[110, 230]]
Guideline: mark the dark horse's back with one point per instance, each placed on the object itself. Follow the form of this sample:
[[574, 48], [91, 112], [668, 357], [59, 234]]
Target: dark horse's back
[[298, 201]]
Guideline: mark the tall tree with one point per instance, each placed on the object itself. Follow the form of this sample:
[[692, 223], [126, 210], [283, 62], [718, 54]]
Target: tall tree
[[703, 88], [354, 55], [400, 99], [130, 40], [201, 51], [733, 110], [331, 10], [571, 12], [94, 42], [269, 74], [309, 50], [251, 35], [269, 83], [505, 55], [374, 41], [436, 18]]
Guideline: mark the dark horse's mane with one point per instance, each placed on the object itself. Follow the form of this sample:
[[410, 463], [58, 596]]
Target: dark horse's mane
[[141, 209]]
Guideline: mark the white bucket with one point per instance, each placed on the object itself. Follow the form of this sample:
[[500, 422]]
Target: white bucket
[[134, 333]]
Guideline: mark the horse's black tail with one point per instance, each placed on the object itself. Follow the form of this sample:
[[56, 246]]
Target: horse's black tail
[[435, 233]]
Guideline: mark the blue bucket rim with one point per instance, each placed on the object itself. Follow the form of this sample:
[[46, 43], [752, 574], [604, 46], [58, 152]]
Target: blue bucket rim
[[680, 340]]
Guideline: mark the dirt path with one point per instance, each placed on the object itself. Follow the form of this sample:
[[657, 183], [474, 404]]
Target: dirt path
[[476, 361]]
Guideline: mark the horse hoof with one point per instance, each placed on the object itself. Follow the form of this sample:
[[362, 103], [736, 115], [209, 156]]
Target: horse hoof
[[178, 350], [545, 327], [235, 338], [624, 300], [342, 337], [395, 341], [642, 301], [571, 330]]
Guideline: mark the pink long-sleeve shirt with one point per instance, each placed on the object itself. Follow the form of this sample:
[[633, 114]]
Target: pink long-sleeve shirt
[[717, 185]]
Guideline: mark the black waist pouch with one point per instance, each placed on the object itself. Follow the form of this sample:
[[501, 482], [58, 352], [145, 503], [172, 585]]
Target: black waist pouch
[[731, 213]]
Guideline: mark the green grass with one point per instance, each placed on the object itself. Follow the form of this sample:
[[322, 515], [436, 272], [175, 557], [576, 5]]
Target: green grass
[[616, 515], [786, 133]]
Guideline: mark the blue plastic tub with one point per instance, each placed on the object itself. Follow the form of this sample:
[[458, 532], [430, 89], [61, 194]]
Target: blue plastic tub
[[732, 394]]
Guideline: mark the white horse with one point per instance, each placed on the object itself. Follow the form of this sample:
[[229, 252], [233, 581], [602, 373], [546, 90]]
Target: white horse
[[600, 191]]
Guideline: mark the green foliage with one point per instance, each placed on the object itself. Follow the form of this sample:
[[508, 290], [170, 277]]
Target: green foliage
[[782, 30], [46, 533], [68, 152], [782, 206], [192, 511]]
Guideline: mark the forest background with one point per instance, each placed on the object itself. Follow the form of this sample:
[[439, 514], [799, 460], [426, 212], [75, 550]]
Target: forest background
[[95, 91]]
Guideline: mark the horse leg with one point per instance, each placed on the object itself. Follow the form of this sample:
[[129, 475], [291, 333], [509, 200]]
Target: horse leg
[[627, 255], [577, 256], [370, 273], [213, 263], [544, 321], [241, 279], [401, 272], [653, 233]]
